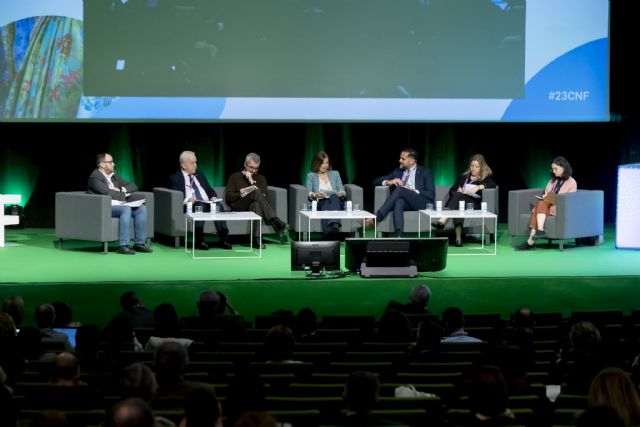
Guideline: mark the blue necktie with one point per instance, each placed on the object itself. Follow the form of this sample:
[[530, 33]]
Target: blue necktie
[[195, 189], [405, 177]]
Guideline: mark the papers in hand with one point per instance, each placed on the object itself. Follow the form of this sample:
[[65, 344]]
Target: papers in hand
[[249, 189], [467, 189], [133, 204]]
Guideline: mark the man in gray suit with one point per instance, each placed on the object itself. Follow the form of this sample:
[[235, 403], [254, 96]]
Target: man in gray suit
[[105, 181]]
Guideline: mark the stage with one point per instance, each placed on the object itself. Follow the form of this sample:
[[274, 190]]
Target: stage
[[579, 278]]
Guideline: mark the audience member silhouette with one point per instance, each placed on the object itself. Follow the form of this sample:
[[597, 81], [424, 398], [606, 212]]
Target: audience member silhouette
[[134, 309], [427, 346], [201, 409], [64, 315], [168, 328], [279, 344], [361, 394], [306, 325], [453, 321], [584, 359], [138, 380], [211, 305], [488, 398], [45, 317], [599, 416], [14, 307], [65, 391], [418, 301], [395, 327], [612, 387], [256, 419], [171, 361], [131, 412]]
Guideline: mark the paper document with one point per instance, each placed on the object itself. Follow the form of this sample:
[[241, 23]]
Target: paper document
[[249, 189], [467, 188], [134, 204]]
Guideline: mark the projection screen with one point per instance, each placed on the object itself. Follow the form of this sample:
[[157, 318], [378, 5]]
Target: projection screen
[[305, 60]]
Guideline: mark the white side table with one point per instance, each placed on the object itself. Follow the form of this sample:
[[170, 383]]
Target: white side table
[[8, 199], [320, 215], [485, 250], [192, 218]]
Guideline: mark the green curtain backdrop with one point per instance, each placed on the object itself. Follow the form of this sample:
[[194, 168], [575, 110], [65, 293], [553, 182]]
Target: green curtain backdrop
[[314, 142]]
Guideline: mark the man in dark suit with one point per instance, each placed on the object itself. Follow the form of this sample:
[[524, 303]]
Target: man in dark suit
[[105, 181], [412, 189], [196, 189]]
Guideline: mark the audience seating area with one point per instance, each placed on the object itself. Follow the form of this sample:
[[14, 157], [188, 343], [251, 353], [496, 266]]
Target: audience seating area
[[309, 393]]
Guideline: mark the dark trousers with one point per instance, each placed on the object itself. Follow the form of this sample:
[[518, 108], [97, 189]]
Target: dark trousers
[[221, 226], [333, 203], [461, 197], [256, 202], [400, 200]]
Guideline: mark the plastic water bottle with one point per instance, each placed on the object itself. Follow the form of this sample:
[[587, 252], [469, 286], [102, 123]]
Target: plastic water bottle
[[314, 205], [189, 207], [348, 206]]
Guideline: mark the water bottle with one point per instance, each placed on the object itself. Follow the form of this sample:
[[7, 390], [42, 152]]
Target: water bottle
[[189, 207], [349, 206], [314, 205]]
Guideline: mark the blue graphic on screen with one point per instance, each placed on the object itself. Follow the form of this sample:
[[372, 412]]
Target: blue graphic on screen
[[572, 87]]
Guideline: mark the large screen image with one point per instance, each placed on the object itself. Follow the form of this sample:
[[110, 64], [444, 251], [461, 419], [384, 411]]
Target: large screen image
[[288, 60]]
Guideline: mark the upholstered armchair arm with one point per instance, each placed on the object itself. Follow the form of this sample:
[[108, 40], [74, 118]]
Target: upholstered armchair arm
[[520, 201], [580, 214], [379, 197], [83, 216], [277, 197], [355, 193], [169, 218]]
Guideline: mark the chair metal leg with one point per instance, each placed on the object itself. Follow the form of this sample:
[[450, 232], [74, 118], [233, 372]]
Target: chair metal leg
[[561, 243], [176, 242], [105, 247], [60, 244]]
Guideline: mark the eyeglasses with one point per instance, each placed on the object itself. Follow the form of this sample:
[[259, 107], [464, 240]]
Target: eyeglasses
[[109, 161], [253, 168]]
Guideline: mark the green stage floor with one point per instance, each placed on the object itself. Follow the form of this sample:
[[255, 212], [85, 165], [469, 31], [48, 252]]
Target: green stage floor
[[580, 278]]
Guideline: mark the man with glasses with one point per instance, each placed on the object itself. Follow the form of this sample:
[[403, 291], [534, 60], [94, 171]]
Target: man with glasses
[[247, 191], [105, 181]]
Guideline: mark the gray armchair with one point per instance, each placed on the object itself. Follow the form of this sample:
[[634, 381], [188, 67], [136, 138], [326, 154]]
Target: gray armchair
[[170, 213], [84, 216], [579, 214], [471, 226], [298, 195]]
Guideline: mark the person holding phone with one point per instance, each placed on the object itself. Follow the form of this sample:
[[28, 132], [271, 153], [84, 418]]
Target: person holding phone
[[325, 185], [468, 188], [247, 191], [561, 182]]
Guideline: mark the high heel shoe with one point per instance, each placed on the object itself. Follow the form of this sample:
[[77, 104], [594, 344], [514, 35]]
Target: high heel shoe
[[458, 244]]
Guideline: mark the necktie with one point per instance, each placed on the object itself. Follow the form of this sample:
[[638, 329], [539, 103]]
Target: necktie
[[194, 188], [405, 177]]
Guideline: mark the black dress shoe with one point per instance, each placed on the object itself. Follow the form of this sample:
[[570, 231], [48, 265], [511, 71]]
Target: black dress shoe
[[224, 244], [437, 225], [458, 244], [525, 246], [202, 246], [540, 234], [257, 245], [142, 248], [125, 250]]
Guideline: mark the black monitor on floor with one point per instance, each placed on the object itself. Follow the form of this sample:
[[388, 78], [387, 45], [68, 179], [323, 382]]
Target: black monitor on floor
[[428, 254], [315, 256]]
